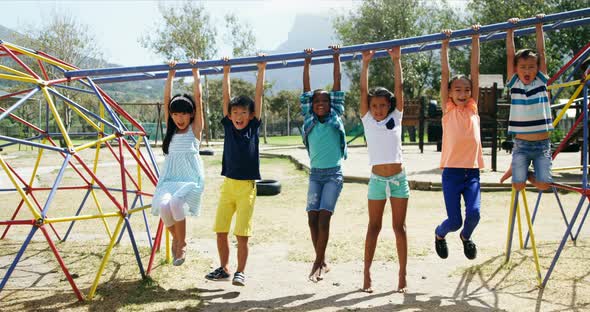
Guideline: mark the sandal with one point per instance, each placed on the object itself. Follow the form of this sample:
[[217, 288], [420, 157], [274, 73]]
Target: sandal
[[181, 253], [218, 275]]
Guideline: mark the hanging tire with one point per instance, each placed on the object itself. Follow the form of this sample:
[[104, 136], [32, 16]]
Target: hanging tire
[[268, 187], [206, 152]]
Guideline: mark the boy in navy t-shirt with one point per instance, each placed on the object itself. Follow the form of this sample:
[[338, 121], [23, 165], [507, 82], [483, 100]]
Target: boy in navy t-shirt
[[241, 168]]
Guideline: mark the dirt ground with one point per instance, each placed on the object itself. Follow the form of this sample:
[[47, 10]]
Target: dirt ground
[[281, 255]]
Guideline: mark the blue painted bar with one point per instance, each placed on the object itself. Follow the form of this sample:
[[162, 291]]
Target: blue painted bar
[[511, 235], [328, 60], [72, 88], [528, 233], [39, 145], [328, 52], [20, 253], [147, 224], [134, 244], [80, 107], [123, 229], [582, 222], [77, 214], [151, 155], [107, 107], [37, 137], [18, 103], [54, 189]]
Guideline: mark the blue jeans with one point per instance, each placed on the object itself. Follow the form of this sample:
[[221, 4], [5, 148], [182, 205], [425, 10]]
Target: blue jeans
[[324, 188], [537, 152], [457, 182]]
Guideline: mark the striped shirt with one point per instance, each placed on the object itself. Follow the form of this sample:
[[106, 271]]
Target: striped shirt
[[530, 111]]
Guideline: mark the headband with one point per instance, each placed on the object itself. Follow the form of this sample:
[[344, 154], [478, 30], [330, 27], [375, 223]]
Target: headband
[[181, 98]]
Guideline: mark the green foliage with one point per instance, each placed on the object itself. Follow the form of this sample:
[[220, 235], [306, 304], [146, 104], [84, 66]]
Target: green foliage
[[240, 36], [283, 100]]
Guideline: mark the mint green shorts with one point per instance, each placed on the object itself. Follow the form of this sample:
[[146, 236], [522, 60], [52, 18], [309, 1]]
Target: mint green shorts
[[396, 185]]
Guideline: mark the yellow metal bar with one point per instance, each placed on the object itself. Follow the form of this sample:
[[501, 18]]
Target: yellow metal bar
[[532, 234], [39, 57], [22, 193], [520, 242], [134, 210], [105, 259], [58, 120], [565, 84], [569, 103], [37, 162], [87, 217], [510, 229], [99, 208], [14, 71], [20, 78], [88, 120], [566, 168], [168, 247], [91, 144]]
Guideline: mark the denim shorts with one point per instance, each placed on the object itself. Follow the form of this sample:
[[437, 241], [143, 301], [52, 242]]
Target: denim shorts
[[394, 186], [325, 186], [537, 152]]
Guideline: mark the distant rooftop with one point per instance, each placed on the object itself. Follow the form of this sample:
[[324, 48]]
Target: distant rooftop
[[487, 81]]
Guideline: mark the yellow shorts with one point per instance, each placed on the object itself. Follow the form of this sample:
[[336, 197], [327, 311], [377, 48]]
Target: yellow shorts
[[237, 196]]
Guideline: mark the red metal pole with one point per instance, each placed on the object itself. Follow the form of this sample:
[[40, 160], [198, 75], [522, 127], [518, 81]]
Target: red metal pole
[[156, 246], [13, 217], [16, 59]]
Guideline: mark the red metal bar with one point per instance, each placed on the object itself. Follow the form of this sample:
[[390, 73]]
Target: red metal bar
[[568, 187], [568, 64], [126, 171], [24, 122], [22, 201], [156, 246], [148, 174], [43, 69], [17, 222], [97, 180], [567, 136], [120, 110], [62, 264], [16, 93], [61, 80], [71, 163], [53, 58], [16, 59]]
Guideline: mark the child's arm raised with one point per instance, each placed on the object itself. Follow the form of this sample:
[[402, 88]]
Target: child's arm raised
[[510, 49], [259, 88], [541, 44], [197, 95], [306, 65], [445, 72], [337, 76], [168, 88], [226, 88], [396, 54], [475, 63], [367, 56]]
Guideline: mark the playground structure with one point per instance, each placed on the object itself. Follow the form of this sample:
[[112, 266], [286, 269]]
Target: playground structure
[[580, 128], [127, 142]]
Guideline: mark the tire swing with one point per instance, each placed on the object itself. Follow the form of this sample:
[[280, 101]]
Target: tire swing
[[267, 187], [206, 152]]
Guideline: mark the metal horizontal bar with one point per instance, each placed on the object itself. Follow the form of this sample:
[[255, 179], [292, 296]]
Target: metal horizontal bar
[[326, 52], [345, 58], [39, 145]]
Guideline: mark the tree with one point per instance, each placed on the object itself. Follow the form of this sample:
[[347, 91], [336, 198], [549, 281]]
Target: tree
[[240, 36], [379, 20]]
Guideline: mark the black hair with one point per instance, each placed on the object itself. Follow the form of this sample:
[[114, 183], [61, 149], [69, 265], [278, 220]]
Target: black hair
[[318, 92], [180, 103], [241, 101], [524, 54], [459, 77], [383, 92]]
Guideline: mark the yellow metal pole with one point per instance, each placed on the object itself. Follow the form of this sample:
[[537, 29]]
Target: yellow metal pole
[[569, 103], [20, 78], [39, 57], [566, 168], [14, 71], [168, 254], [37, 162], [521, 243], [58, 121], [100, 211], [565, 84], [19, 189], [134, 210], [105, 259], [532, 234], [91, 144], [77, 218]]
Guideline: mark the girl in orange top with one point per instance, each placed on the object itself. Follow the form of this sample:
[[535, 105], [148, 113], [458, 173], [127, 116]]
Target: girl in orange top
[[462, 155]]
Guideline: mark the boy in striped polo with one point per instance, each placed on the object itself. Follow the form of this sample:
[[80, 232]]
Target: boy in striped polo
[[530, 112]]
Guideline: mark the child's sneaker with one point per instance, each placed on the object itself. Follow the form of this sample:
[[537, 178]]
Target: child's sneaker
[[239, 279], [469, 249], [440, 245], [218, 275]]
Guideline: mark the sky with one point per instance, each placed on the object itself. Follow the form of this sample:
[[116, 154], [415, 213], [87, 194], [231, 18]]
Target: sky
[[118, 25]]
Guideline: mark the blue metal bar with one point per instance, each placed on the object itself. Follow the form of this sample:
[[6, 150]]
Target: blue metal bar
[[509, 247], [327, 60], [55, 185], [147, 225], [565, 221], [582, 222], [72, 88], [8, 190], [585, 145], [77, 213], [344, 50], [30, 138], [526, 240], [123, 230], [83, 109], [39, 145], [107, 107], [18, 103], [151, 155], [20, 253], [134, 244]]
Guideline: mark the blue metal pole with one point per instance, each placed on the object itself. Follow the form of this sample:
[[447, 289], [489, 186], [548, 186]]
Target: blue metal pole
[[135, 249], [147, 225], [80, 107], [77, 213], [326, 60], [107, 107], [328, 52], [509, 246], [25, 142], [581, 223], [55, 185], [18, 256], [73, 88], [18, 103], [565, 221], [528, 233], [123, 230]]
